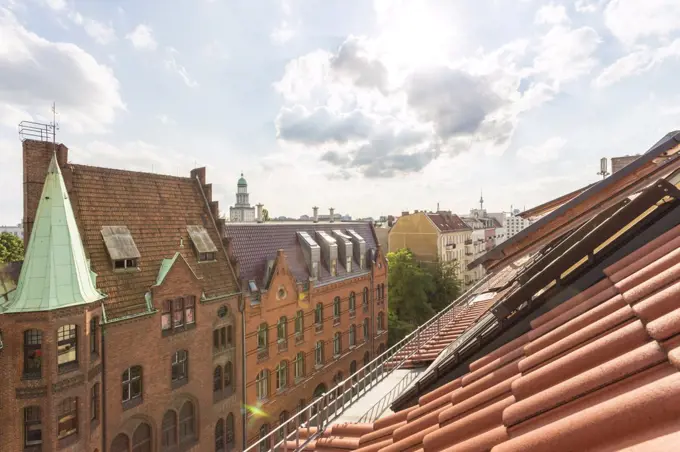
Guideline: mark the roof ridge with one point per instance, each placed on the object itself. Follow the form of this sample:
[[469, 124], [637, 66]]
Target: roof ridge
[[122, 171]]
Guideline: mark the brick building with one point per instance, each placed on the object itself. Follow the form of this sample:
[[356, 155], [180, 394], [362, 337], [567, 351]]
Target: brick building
[[105, 337], [315, 310]]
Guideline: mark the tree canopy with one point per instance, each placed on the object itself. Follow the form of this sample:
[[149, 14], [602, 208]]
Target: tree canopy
[[265, 215], [11, 248], [417, 291]]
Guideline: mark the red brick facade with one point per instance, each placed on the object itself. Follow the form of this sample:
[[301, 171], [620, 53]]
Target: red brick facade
[[127, 332], [284, 299]]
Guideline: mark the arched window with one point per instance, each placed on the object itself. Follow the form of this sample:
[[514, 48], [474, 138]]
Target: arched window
[[262, 384], [367, 330], [132, 386], [217, 379], [231, 440], [381, 349], [337, 344], [265, 445], [336, 310], [121, 443], [299, 365], [230, 335], [228, 377], [94, 335], [67, 348], [32, 353], [141, 439], [169, 427], [352, 335], [352, 304], [282, 375], [318, 315], [367, 359], [219, 436], [187, 430], [283, 417], [381, 321], [302, 414], [67, 417], [32, 426], [364, 300], [353, 370], [282, 332]]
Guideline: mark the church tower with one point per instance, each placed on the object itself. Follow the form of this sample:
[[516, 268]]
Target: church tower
[[242, 211]]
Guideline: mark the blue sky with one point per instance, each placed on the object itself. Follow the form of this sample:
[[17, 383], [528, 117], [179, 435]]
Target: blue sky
[[371, 107]]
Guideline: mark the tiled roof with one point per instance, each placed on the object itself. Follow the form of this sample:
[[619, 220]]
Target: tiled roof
[[254, 244], [597, 372], [543, 209], [447, 222], [157, 210]]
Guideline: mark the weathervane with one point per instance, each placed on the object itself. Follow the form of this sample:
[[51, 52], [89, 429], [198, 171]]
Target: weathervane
[[54, 125]]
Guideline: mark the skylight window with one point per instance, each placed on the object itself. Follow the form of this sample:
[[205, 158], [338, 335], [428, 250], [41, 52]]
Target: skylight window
[[121, 247], [205, 248]]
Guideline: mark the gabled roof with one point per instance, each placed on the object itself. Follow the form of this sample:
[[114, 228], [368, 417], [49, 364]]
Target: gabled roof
[[448, 222], [662, 159], [253, 244], [156, 209], [56, 273]]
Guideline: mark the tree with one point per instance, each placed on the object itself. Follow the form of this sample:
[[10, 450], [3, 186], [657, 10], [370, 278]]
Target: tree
[[265, 215], [11, 248], [409, 287], [446, 284]]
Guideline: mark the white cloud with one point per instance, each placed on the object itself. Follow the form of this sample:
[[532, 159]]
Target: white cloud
[[545, 152], [587, 6], [172, 64], [285, 30], [142, 38], [86, 92], [640, 60], [166, 120], [99, 31], [551, 14], [633, 20], [57, 5], [11, 115]]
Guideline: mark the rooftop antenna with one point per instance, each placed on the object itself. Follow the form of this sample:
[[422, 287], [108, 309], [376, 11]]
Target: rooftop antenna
[[603, 168], [54, 126], [481, 199]]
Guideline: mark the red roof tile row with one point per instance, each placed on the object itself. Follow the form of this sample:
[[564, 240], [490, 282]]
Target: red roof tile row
[[598, 372]]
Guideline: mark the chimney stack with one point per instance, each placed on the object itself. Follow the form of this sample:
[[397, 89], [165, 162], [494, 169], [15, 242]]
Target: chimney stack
[[316, 214], [259, 212], [332, 210]]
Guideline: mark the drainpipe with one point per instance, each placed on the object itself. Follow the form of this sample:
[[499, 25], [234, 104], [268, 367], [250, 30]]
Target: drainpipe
[[372, 329], [103, 374], [244, 411]]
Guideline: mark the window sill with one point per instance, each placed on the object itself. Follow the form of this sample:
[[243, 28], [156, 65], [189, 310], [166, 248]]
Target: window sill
[[127, 270], [187, 444], [318, 366], [33, 448], [178, 330], [67, 441], [218, 396], [318, 330], [336, 321], [67, 367], [129, 404], [32, 376], [174, 384], [352, 314]]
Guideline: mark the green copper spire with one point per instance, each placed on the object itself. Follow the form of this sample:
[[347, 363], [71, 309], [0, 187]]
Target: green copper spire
[[55, 274]]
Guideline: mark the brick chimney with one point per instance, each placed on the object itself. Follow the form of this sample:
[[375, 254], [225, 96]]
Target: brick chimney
[[36, 159], [259, 212], [332, 212], [316, 214]]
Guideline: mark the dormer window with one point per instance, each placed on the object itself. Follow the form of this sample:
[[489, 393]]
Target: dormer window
[[121, 247], [206, 250]]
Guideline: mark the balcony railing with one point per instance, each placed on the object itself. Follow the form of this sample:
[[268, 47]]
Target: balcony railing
[[309, 423]]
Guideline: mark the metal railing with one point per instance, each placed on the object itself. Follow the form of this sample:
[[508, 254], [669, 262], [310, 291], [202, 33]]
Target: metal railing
[[310, 423]]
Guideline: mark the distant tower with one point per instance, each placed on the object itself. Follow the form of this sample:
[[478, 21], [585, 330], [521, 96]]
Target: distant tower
[[481, 200], [242, 211]]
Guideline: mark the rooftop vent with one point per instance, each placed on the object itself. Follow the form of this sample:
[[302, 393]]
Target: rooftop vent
[[332, 212], [344, 248], [359, 248], [329, 251], [205, 248], [121, 246], [312, 253], [316, 214]]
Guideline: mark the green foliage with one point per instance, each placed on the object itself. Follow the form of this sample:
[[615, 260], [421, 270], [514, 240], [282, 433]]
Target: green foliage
[[265, 215], [11, 248], [417, 292]]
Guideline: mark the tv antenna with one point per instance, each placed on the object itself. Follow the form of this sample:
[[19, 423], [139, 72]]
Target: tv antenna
[[54, 125]]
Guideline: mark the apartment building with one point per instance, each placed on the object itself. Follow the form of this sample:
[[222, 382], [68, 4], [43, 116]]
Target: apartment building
[[435, 236], [105, 335], [315, 310]]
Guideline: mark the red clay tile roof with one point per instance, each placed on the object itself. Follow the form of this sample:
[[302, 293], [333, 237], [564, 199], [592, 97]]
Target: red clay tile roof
[[157, 210], [254, 244], [447, 222], [598, 372]]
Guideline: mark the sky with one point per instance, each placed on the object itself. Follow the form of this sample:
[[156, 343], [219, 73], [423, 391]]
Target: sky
[[372, 107]]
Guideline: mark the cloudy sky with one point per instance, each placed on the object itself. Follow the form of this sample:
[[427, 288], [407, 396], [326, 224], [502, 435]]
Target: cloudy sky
[[371, 107]]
